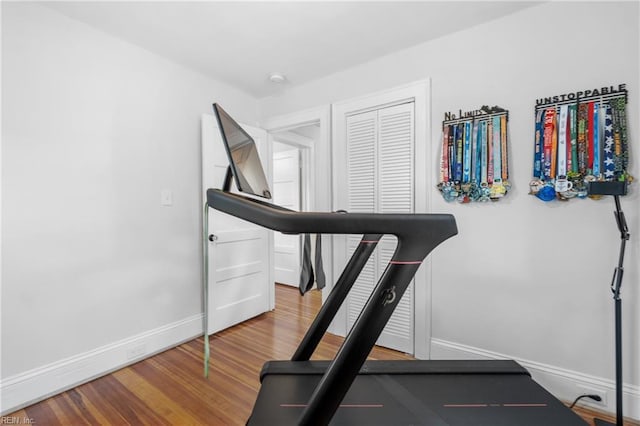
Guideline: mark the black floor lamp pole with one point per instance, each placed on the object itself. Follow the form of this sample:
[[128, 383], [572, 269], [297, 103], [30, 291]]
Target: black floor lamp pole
[[616, 283]]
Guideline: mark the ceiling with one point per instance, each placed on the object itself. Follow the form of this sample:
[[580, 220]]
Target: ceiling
[[241, 43]]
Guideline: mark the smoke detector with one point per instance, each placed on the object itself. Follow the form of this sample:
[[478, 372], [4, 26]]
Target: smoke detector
[[276, 77]]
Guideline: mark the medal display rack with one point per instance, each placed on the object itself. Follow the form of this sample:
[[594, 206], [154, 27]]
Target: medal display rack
[[474, 159], [579, 138]]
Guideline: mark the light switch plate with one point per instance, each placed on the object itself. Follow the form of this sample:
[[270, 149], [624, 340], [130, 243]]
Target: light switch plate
[[166, 197]]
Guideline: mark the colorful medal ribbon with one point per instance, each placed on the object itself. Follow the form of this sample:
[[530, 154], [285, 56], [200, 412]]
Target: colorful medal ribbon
[[451, 151], [567, 135], [617, 138], [466, 169], [497, 150], [620, 105], [573, 131], [503, 140], [489, 152], [483, 152], [562, 141], [444, 159], [549, 115], [590, 134], [608, 162], [582, 138], [554, 147], [477, 158], [537, 152], [596, 141], [459, 137]]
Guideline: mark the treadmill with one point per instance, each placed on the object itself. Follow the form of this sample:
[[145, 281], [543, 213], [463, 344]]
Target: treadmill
[[351, 390]]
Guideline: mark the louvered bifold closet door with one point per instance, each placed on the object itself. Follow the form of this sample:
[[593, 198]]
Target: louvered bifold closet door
[[395, 195], [362, 133], [380, 171]]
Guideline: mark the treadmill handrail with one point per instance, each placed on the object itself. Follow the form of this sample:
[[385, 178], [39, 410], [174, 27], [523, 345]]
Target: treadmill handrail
[[435, 228]]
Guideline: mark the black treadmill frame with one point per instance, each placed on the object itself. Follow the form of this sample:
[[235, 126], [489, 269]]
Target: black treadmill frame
[[417, 235]]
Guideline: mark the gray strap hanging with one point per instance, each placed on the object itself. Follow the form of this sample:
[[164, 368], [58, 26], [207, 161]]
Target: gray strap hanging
[[320, 279], [306, 269], [307, 276]]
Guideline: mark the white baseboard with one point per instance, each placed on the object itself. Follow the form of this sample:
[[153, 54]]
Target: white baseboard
[[564, 384], [26, 388]]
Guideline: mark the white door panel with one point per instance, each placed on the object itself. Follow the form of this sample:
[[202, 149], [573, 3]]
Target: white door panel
[[239, 273], [286, 193]]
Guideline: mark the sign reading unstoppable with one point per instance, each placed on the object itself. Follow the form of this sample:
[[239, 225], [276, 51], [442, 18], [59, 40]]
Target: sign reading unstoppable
[[575, 96]]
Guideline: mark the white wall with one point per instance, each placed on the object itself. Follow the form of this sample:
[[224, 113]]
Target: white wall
[[523, 278], [93, 129]]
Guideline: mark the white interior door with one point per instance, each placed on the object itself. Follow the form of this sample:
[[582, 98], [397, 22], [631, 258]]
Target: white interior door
[[286, 193], [239, 273]]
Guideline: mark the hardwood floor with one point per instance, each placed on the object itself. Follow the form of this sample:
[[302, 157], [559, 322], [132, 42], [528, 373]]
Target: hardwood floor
[[169, 388]]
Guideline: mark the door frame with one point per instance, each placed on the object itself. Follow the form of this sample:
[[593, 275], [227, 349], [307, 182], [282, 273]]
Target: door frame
[[320, 154], [420, 93]]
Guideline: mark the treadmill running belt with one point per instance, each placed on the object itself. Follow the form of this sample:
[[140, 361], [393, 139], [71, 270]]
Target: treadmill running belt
[[435, 399]]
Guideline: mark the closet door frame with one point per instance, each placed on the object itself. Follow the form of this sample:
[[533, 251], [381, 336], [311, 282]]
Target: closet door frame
[[419, 93]]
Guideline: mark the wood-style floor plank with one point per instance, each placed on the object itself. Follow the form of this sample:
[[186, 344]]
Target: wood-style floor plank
[[169, 388]]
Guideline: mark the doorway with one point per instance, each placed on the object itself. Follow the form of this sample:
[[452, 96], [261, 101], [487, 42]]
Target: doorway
[[313, 124], [292, 188]]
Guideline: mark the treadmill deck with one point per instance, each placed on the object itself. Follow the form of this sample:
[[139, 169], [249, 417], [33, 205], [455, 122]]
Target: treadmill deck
[[436, 393]]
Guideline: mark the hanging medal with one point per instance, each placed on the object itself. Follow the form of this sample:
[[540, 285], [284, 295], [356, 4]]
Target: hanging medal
[[505, 157], [549, 117], [444, 158], [547, 192], [608, 143], [497, 188], [590, 136], [477, 158], [582, 138], [466, 166], [538, 154], [596, 141], [620, 135], [484, 189], [562, 184], [573, 132]]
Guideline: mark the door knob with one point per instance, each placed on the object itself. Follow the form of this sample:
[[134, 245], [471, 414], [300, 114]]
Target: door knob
[[213, 238]]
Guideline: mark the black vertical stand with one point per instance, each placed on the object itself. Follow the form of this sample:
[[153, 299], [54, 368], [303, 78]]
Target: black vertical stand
[[616, 283]]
